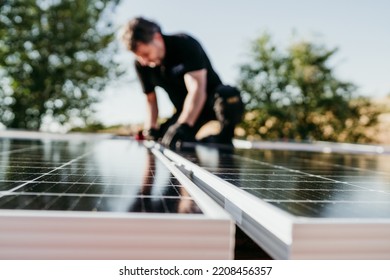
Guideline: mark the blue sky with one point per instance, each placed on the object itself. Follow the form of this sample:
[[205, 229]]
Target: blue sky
[[360, 29]]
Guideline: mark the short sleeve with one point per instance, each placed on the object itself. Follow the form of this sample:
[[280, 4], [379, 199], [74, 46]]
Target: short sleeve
[[194, 57]]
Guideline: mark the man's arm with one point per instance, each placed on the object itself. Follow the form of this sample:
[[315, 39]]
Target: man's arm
[[193, 104], [152, 111], [196, 86]]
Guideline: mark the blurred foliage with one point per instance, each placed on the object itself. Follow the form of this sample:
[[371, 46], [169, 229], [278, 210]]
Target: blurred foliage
[[118, 130], [55, 58], [91, 127], [295, 95]]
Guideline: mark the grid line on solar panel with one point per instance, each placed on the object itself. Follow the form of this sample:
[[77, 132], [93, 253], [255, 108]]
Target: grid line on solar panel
[[76, 188], [72, 171], [271, 177], [229, 170], [173, 183], [30, 169], [87, 179], [55, 194], [253, 171], [295, 189], [69, 162], [319, 195], [353, 177], [296, 171], [364, 179], [5, 186], [19, 150], [28, 165], [314, 178], [357, 169], [294, 184]]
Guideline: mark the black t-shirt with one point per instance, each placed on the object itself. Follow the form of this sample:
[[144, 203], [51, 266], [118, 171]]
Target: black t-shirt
[[183, 54]]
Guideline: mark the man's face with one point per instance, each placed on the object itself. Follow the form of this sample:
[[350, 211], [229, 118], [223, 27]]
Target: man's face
[[151, 54]]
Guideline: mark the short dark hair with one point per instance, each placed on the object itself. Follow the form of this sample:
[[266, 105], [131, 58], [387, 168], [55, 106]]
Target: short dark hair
[[139, 30]]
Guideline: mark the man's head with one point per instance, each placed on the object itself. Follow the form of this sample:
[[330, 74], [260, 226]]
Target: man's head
[[144, 39]]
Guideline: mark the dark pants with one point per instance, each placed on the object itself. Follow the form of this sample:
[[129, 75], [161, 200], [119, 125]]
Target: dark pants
[[225, 105]]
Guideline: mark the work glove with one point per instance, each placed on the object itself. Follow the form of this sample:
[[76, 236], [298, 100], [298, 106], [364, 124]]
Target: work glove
[[178, 133], [152, 134]]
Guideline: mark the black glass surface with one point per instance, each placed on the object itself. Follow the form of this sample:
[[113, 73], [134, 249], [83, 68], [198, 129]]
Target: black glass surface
[[107, 175], [308, 184]]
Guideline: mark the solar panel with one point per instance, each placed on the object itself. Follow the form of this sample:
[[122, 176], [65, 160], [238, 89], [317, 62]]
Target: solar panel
[[296, 203], [105, 199]]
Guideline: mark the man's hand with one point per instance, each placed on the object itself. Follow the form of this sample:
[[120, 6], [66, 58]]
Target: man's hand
[[179, 132], [152, 134]]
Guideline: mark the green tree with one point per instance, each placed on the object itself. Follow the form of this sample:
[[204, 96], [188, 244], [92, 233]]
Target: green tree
[[294, 94], [55, 57]]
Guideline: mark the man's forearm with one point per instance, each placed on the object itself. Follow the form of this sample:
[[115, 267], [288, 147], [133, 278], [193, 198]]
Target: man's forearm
[[152, 111], [151, 121], [193, 106], [196, 85]]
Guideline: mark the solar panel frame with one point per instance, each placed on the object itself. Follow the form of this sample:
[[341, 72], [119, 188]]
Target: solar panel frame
[[313, 146]]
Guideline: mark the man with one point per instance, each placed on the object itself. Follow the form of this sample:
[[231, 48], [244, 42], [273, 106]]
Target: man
[[179, 65]]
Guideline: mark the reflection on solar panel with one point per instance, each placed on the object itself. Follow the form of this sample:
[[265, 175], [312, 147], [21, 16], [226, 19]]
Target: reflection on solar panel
[[109, 199], [299, 204]]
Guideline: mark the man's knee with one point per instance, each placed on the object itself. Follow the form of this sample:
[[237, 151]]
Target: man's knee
[[228, 105]]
